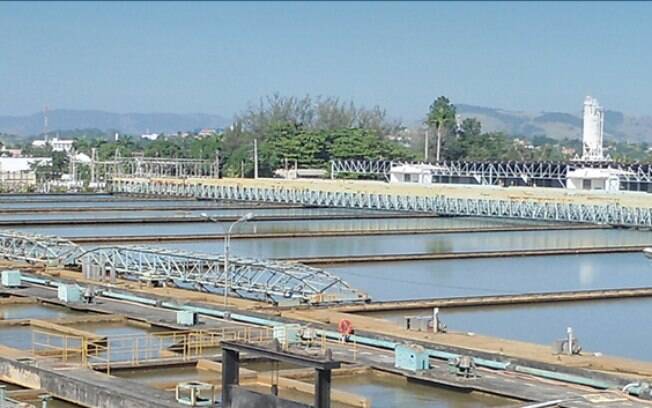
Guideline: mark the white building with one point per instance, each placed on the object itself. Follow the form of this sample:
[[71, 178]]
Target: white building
[[412, 173], [150, 136], [39, 143], [592, 131], [18, 170], [607, 180], [206, 132], [58, 145], [82, 158]]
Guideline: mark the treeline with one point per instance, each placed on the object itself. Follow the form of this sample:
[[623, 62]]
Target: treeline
[[308, 131], [311, 131]]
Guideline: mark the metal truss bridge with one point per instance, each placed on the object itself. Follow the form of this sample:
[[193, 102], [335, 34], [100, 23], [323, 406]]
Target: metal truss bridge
[[634, 176], [103, 170], [250, 278], [35, 248], [611, 214]]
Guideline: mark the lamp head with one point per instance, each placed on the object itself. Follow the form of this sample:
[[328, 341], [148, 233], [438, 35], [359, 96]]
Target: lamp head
[[248, 216]]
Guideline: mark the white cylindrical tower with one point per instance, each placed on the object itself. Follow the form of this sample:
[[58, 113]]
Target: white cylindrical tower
[[592, 130]]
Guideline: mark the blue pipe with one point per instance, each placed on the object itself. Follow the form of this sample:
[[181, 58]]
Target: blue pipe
[[568, 378], [368, 341]]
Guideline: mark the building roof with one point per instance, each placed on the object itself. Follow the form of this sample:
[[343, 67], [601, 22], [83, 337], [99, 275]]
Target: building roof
[[414, 168], [14, 164], [82, 158], [591, 173]]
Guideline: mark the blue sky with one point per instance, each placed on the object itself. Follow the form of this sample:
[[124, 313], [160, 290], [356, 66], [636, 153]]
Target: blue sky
[[217, 57]]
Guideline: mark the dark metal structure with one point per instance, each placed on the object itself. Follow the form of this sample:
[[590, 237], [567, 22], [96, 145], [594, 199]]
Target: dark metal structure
[[231, 365]]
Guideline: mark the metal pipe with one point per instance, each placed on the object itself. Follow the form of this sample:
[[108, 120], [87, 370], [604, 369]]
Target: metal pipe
[[362, 340]]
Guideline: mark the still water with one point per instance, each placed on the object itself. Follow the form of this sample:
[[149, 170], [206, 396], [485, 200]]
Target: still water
[[34, 311], [414, 244], [614, 327], [496, 276], [180, 213], [164, 229], [103, 203], [391, 392], [617, 327]]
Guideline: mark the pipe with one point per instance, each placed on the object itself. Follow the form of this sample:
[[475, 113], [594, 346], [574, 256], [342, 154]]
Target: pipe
[[364, 340], [563, 377]]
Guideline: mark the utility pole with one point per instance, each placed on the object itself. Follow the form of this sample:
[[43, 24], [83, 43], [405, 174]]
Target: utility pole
[[93, 163], [438, 141], [425, 149], [45, 123], [255, 158], [217, 164]]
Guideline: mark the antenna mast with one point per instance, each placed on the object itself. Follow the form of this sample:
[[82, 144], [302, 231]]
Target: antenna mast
[[45, 123]]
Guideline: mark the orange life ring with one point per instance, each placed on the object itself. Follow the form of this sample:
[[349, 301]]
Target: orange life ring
[[345, 327]]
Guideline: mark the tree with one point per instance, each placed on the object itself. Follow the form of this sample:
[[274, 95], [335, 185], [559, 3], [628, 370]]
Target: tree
[[442, 117], [302, 129]]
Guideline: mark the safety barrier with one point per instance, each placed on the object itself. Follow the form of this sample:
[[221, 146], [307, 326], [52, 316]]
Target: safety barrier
[[141, 348]]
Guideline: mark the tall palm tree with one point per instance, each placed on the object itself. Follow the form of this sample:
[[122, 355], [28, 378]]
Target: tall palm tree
[[441, 116]]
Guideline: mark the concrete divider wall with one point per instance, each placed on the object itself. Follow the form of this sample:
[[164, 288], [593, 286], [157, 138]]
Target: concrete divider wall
[[85, 387]]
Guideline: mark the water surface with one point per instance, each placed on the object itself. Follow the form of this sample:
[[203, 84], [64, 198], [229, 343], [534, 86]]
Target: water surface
[[614, 327], [495, 276]]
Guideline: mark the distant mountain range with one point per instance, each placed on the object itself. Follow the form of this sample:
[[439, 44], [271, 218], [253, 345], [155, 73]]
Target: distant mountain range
[[558, 125], [130, 123]]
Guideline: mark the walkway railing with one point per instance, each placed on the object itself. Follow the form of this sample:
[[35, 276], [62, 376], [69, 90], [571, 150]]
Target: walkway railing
[[610, 214], [132, 350]]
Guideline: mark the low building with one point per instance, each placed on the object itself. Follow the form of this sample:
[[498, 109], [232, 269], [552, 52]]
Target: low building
[[61, 145], [39, 143], [149, 136], [82, 158], [293, 174], [20, 171], [594, 179], [58, 145], [4, 152], [412, 173], [206, 132]]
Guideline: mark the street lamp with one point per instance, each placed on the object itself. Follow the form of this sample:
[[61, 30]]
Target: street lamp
[[227, 244]]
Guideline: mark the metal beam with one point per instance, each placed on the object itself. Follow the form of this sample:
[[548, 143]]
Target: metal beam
[[36, 248], [251, 278], [609, 214], [280, 355], [633, 176], [104, 170]]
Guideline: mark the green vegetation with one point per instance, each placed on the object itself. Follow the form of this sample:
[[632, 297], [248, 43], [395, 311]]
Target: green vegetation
[[441, 117], [312, 131]]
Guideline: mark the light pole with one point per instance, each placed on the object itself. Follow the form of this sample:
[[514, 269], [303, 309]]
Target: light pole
[[227, 244]]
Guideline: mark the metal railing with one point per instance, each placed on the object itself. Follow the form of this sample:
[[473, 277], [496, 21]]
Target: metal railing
[[633, 176], [607, 213], [261, 279], [142, 348], [38, 248]]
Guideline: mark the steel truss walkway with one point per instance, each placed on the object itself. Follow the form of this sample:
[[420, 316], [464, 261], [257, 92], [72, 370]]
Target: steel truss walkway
[[251, 278], [610, 214], [35, 248], [550, 174], [149, 167]]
